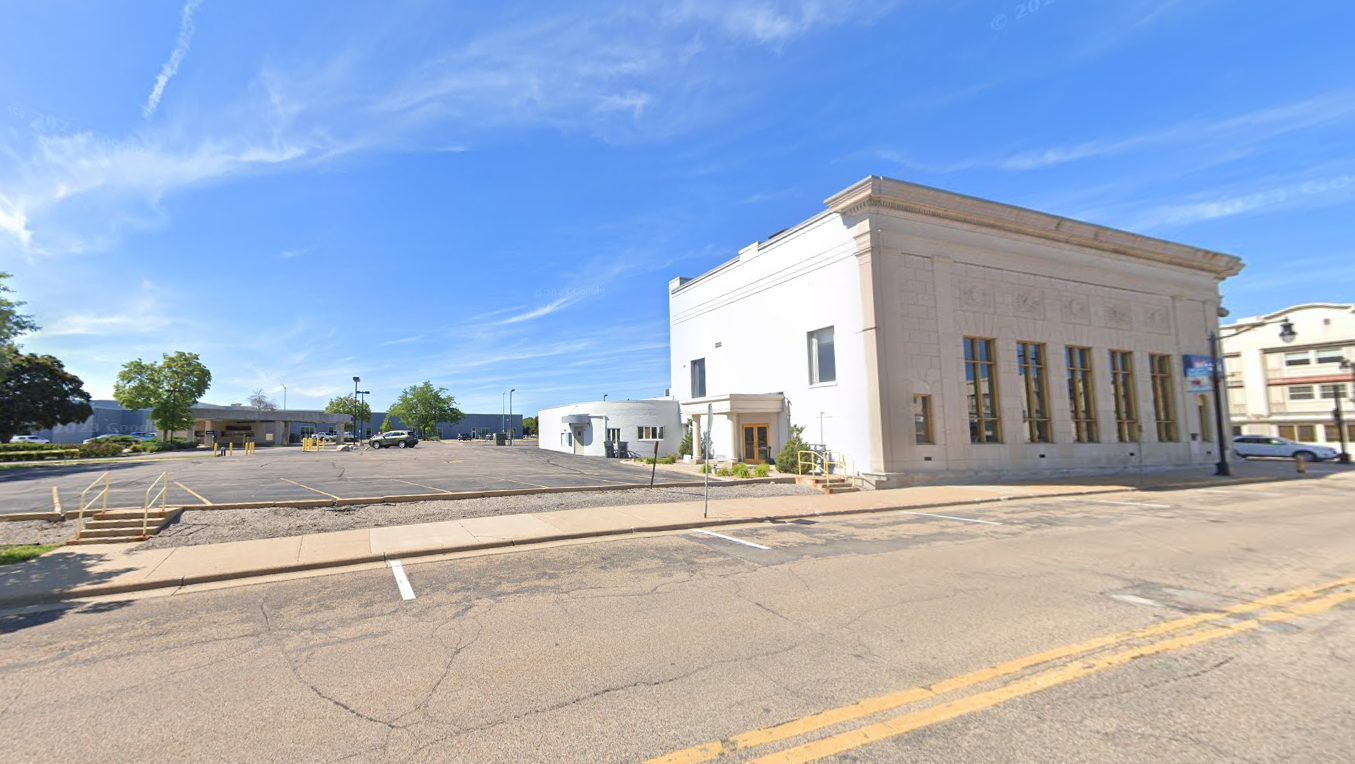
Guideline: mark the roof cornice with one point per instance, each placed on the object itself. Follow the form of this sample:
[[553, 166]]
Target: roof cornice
[[879, 193]]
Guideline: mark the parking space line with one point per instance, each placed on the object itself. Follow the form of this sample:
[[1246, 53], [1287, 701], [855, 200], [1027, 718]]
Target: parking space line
[[420, 485], [952, 517], [308, 488], [56, 500], [1134, 504], [195, 494], [731, 538], [402, 581], [510, 480]]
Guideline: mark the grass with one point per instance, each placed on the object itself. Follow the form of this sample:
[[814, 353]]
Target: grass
[[23, 552]]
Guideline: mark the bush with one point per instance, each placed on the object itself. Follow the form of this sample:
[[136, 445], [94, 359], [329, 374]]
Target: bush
[[788, 459], [740, 470], [6, 447], [762, 470], [100, 449], [724, 472], [177, 444], [685, 447], [669, 459], [31, 455]]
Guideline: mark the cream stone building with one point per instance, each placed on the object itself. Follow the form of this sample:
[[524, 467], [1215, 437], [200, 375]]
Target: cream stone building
[[924, 335], [1291, 390]]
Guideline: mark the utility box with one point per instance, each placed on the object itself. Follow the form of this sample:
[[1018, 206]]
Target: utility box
[[500, 438]]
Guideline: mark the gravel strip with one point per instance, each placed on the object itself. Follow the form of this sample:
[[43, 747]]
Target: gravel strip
[[35, 532], [197, 526]]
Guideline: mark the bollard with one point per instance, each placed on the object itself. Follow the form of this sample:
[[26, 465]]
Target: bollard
[[231, 449], [1300, 465]]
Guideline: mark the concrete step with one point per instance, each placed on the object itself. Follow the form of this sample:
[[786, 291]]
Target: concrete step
[[103, 540], [129, 522], [108, 533]]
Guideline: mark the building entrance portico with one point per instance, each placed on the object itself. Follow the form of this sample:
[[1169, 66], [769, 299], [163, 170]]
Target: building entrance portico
[[743, 427]]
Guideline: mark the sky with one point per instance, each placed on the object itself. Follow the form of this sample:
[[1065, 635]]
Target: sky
[[496, 195]]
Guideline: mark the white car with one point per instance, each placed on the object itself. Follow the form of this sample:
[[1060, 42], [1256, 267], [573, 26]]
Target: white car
[[1264, 445], [28, 439]]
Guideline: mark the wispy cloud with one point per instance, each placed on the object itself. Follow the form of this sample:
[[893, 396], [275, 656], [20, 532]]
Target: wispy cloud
[[288, 254], [404, 340], [171, 67], [1278, 195]]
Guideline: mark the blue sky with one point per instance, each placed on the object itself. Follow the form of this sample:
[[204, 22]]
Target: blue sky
[[496, 195]]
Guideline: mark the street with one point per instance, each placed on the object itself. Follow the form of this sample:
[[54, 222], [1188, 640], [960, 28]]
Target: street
[[1200, 625]]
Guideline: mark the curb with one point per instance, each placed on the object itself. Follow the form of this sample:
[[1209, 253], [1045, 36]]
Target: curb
[[97, 590]]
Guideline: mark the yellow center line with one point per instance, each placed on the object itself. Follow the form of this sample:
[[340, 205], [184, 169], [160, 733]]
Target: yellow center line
[[195, 494], [872, 706], [56, 500], [308, 488], [899, 725]]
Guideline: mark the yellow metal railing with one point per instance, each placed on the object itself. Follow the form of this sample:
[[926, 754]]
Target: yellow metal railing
[[826, 463], [162, 496], [87, 504]]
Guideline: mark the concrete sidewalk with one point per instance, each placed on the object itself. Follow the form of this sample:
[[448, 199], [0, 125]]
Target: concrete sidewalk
[[113, 569]]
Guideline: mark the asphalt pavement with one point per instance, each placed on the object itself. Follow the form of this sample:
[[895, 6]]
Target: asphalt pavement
[[1198, 625], [289, 474]]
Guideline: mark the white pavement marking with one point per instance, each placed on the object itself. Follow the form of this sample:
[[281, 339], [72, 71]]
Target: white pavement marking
[[402, 581], [731, 538], [952, 517], [1135, 504]]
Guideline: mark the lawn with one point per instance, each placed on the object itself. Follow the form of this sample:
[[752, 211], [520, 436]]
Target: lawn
[[23, 552]]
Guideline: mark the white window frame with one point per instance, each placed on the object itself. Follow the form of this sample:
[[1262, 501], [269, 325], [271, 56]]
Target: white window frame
[[1298, 358], [1329, 355], [566, 438], [1337, 390], [813, 339], [1311, 395], [614, 431], [646, 432]]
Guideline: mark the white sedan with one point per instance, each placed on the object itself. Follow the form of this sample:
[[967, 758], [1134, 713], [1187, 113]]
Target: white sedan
[[28, 439], [1264, 445]]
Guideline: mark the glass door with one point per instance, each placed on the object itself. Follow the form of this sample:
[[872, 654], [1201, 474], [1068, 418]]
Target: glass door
[[756, 445]]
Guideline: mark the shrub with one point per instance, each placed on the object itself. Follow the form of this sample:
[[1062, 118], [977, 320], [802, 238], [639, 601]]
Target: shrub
[[6, 447], [685, 447], [669, 459], [724, 472], [177, 444], [762, 470], [30, 455], [788, 459], [99, 449], [740, 470]]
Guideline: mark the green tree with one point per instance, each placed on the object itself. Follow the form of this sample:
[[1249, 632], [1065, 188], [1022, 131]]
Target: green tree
[[169, 389], [422, 406], [12, 324], [788, 459], [528, 426], [685, 447], [39, 393], [344, 405]]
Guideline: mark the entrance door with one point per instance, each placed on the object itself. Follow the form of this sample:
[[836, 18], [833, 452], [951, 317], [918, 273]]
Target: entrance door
[[578, 441], [756, 446]]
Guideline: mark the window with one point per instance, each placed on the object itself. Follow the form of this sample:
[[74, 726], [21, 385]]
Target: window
[[1287, 431], [614, 434], [1164, 398], [1331, 433], [1301, 393], [1330, 355], [1030, 359], [649, 433], [1307, 433], [980, 368], [566, 438], [922, 418], [1126, 399], [1080, 394], [1332, 392], [1202, 409], [822, 364], [1301, 358], [699, 378]]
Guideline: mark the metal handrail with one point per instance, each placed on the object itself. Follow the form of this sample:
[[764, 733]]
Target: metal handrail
[[85, 505], [823, 462], [162, 496]]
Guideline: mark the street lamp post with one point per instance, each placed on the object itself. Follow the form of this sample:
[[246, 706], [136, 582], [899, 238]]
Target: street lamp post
[[356, 380], [284, 397], [510, 415], [362, 404], [1346, 365], [1287, 335]]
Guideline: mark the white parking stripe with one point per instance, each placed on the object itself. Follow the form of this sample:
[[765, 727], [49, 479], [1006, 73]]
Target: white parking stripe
[[402, 581], [952, 517], [731, 538], [1135, 504]]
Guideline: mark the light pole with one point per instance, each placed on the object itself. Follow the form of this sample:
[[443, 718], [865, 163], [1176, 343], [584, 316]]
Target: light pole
[[361, 405], [1346, 365], [604, 397], [503, 424], [356, 380], [510, 415], [284, 397], [1287, 335]]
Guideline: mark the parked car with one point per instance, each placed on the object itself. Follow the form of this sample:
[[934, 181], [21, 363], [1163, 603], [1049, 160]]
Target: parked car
[[464, 436], [114, 436], [28, 439], [325, 437], [1264, 445], [401, 438], [145, 436]]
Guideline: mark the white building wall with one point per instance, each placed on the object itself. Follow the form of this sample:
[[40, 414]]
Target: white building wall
[[557, 435], [750, 320]]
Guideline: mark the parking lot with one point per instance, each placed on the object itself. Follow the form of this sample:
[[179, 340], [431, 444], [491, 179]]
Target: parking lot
[[289, 474]]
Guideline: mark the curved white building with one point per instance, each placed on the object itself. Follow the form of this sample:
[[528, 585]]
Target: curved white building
[[585, 428]]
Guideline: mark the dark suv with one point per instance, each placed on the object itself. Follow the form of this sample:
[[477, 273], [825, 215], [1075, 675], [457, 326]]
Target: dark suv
[[401, 438]]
